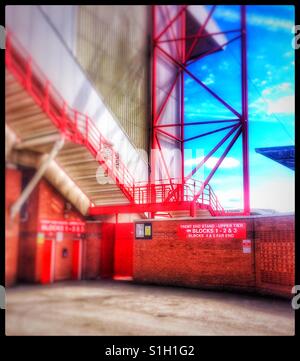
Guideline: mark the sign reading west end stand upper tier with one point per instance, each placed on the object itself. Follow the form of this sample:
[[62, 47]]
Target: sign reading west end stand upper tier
[[197, 230]]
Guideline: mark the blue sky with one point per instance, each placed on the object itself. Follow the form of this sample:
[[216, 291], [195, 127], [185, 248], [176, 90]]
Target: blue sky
[[271, 106]]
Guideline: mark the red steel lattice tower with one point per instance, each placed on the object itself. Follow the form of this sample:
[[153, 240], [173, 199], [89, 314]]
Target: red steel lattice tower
[[181, 35]]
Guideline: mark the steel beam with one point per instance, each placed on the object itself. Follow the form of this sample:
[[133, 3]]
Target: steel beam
[[246, 182], [16, 207], [11, 140], [181, 65], [33, 142], [140, 208]]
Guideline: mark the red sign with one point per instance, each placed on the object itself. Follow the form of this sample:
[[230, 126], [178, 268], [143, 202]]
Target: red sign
[[61, 226], [212, 230]]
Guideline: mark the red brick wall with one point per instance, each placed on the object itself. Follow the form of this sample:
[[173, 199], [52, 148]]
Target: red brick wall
[[12, 192], [28, 235], [63, 264], [45, 203], [167, 258], [107, 248], [51, 203], [170, 259], [53, 206], [275, 254], [91, 251]]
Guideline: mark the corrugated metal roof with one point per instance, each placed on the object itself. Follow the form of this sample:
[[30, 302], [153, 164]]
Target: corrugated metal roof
[[284, 155]]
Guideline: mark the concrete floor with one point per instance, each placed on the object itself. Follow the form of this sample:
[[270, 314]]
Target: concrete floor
[[121, 308]]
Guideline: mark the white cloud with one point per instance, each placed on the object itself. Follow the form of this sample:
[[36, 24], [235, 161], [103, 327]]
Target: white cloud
[[270, 23], [188, 81], [283, 105], [285, 86], [258, 107], [261, 110], [267, 91], [278, 194], [228, 162], [279, 99], [278, 89], [210, 79], [224, 65], [230, 198]]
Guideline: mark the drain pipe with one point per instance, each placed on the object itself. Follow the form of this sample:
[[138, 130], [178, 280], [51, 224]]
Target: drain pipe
[[16, 207]]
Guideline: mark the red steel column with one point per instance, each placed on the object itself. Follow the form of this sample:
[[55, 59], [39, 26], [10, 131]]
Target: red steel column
[[245, 143], [154, 50], [183, 42]]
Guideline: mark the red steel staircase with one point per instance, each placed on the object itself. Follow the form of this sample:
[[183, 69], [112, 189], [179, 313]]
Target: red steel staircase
[[80, 129]]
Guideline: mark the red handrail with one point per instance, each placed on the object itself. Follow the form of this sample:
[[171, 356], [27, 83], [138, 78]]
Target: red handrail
[[79, 128]]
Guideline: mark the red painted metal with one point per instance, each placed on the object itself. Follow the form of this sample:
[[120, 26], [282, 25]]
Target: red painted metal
[[47, 259], [160, 195], [188, 37], [180, 63], [170, 23], [154, 75], [208, 133], [213, 50], [224, 230], [167, 199], [169, 135], [200, 31], [76, 256], [199, 81], [164, 162], [77, 127], [196, 123], [183, 57], [222, 141], [246, 181], [218, 163], [123, 252], [107, 246], [166, 100]]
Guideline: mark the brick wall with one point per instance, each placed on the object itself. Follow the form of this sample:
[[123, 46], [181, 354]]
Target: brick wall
[[12, 192], [91, 251], [275, 254], [63, 258], [45, 203], [107, 247], [169, 258], [30, 249]]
